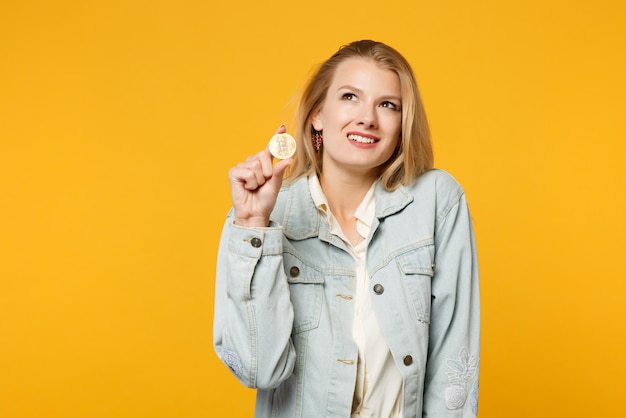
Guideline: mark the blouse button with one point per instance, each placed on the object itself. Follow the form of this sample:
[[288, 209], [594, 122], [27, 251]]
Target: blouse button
[[256, 242], [379, 289], [408, 360], [294, 271]]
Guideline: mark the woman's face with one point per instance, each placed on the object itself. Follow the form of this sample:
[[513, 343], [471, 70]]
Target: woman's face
[[361, 118]]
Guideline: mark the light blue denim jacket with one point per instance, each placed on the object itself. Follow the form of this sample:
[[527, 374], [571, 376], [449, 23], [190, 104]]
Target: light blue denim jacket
[[284, 303]]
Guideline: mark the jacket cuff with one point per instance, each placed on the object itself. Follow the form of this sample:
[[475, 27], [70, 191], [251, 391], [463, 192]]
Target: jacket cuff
[[255, 242]]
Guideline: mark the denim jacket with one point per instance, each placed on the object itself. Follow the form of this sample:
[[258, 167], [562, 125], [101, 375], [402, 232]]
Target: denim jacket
[[284, 302]]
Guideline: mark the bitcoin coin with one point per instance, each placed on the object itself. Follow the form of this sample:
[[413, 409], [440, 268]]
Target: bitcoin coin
[[282, 146]]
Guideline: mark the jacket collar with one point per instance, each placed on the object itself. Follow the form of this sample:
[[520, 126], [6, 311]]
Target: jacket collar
[[300, 219]]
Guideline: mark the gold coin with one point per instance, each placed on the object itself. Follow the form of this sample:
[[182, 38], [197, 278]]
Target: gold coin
[[282, 146]]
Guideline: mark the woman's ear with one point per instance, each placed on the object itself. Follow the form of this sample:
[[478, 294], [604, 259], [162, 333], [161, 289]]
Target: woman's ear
[[316, 120]]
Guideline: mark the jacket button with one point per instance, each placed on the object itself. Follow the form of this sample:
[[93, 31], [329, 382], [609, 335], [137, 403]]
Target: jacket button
[[294, 271], [256, 242], [408, 360], [379, 289]]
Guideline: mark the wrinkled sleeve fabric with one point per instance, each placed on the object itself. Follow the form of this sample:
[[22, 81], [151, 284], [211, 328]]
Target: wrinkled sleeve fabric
[[451, 382], [253, 315]]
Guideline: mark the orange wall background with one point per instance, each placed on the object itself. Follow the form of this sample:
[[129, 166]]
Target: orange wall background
[[120, 119]]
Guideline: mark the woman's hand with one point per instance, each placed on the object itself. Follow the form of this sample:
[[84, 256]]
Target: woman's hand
[[254, 185]]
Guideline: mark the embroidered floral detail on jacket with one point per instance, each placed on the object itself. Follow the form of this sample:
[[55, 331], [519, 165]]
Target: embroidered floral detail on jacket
[[455, 396], [232, 360], [474, 397], [463, 376]]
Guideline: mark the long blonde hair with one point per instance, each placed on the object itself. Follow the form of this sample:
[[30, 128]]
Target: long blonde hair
[[414, 154]]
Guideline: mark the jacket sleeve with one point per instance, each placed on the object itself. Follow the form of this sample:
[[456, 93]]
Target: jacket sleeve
[[451, 383], [253, 316]]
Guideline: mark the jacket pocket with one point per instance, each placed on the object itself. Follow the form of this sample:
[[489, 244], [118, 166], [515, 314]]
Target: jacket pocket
[[417, 269], [306, 287]]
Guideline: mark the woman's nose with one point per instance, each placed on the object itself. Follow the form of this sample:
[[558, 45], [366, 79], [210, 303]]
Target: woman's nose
[[367, 117]]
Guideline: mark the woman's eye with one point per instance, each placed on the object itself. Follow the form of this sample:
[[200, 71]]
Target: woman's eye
[[390, 105], [348, 96]]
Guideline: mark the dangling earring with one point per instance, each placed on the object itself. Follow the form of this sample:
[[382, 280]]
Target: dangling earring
[[317, 138]]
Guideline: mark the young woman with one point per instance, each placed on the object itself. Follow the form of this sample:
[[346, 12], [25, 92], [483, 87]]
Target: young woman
[[351, 290]]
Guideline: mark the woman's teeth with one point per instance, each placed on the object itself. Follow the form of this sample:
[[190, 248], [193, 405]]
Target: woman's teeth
[[361, 139]]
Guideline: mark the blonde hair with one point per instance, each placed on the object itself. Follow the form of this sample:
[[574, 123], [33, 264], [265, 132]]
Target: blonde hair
[[414, 154]]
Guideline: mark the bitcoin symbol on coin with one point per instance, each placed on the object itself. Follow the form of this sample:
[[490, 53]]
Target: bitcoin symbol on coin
[[282, 146]]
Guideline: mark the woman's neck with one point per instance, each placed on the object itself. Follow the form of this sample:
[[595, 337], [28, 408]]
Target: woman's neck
[[344, 195]]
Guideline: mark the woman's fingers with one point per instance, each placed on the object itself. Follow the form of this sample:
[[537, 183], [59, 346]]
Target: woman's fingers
[[261, 163], [255, 176], [256, 171], [253, 172], [243, 177]]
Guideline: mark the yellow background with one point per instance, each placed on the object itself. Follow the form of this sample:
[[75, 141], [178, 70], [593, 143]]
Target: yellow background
[[120, 119]]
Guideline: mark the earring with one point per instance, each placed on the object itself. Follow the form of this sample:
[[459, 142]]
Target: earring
[[317, 138]]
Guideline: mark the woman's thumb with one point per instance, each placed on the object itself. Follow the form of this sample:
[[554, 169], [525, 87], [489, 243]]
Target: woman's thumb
[[279, 171]]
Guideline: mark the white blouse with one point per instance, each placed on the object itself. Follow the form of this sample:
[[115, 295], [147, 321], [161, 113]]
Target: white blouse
[[378, 390]]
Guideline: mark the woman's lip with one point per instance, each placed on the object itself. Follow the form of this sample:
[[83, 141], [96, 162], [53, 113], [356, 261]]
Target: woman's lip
[[362, 135], [370, 141]]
